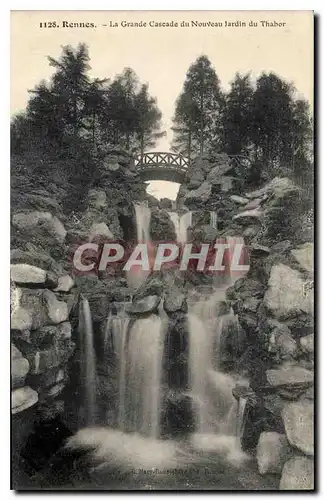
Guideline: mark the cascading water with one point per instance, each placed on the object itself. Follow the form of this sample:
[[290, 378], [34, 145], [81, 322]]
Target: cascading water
[[181, 224], [141, 379], [143, 217], [215, 408], [87, 363], [136, 276]]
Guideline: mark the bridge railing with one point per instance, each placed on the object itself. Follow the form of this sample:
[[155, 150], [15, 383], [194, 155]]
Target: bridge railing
[[171, 161]]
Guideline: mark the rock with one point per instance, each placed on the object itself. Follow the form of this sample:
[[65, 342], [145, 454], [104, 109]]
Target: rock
[[146, 305], [42, 201], [309, 394], [35, 257], [253, 204], [285, 296], [202, 194], [97, 199], [256, 250], [197, 177], [100, 229], [250, 232], [65, 283], [51, 410], [249, 216], [113, 167], [290, 375], [53, 392], [298, 420], [152, 286], [47, 335], [298, 474], [239, 199], [25, 274], [307, 344], [30, 221], [175, 300], [22, 398], [281, 343], [43, 307], [21, 319], [64, 330], [279, 187], [165, 203], [305, 256], [19, 368], [46, 359], [272, 452]]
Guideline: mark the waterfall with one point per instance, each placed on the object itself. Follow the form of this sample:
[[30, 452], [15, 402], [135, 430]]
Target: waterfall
[[136, 276], [87, 363], [141, 378], [216, 410], [213, 219], [181, 224], [143, 217]]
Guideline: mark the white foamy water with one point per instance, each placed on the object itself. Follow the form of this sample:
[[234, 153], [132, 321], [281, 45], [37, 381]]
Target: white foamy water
[[87, 363], [129, 451], [181, 224], [141, 378]]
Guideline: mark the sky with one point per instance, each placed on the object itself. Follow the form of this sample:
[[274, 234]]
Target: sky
[[161, 56]]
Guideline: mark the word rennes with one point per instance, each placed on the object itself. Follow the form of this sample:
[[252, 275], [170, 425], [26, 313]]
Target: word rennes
[[210, 258]]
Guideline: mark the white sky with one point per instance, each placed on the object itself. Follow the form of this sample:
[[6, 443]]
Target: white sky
[[161, 56]]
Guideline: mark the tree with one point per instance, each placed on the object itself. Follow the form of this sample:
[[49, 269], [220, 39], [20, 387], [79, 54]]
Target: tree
[[70, 83], [237, 116], [199, 107], [148, 121], [271, 119]]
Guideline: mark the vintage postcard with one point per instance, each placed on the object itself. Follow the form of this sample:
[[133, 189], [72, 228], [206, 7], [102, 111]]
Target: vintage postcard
[[162, 233]]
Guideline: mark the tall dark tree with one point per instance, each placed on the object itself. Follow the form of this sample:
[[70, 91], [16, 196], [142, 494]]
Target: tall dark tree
[[199, 106], [271, 118], [70, 83], [148, 122], [237, 115]]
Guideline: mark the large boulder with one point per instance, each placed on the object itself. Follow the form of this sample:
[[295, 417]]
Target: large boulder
[[19, 368], [34, 221], [249, 216], [197, 177], [298, 419], [97, 199], [35, 256], [305, 256], [175, 300], [100, 230], [22, 398], [43, 307], [298, 474], [25, 274], [307, 344], [272, 452], [278, 188], [200, 195], [64, 284], [290, 375], [21, 319], [146, 305], [281, 344], [286, 296]]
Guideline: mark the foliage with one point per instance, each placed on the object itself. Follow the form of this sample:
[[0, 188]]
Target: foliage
[[263, 122]]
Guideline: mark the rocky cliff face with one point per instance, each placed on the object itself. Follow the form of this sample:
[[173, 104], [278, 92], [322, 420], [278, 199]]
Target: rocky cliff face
[[45, 289], [274, 304]]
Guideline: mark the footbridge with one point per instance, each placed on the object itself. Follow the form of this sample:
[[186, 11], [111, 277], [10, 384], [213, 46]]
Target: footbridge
[[162, 166]]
